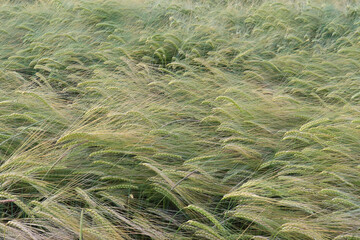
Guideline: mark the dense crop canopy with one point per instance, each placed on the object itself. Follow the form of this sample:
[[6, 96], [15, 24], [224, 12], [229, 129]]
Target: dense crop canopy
[[179, 119]]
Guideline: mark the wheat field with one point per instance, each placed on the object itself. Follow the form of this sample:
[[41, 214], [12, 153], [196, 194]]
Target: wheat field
[[183, 119]]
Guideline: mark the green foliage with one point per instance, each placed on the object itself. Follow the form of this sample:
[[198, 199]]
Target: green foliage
[[179, 119]]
